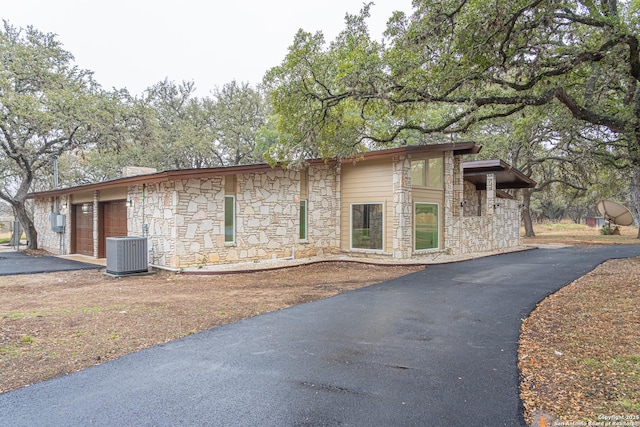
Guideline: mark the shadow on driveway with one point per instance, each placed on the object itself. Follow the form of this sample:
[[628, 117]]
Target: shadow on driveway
[[19, 263]]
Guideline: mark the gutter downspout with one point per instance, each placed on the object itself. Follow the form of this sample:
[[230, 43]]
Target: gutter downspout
[[159, 267]]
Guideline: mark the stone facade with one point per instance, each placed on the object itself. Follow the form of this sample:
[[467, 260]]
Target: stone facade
[[183, 215], [488, 222], [49, 240], [403, 207], [323, 223], [184, 219]]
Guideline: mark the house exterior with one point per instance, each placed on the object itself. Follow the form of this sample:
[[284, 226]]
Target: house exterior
[[401, 203]]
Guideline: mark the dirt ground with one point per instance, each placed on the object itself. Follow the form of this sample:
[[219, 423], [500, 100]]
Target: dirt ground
[[57, 323], [579, 352]]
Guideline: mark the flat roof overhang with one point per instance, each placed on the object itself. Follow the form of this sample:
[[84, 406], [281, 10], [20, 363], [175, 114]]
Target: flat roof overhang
[[506, 175], [458, 148]]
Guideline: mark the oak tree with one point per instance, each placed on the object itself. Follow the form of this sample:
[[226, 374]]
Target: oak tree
[[48, 106]]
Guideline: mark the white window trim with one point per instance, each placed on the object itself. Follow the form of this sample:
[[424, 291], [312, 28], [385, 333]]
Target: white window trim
[[413, 234], [381, 250]]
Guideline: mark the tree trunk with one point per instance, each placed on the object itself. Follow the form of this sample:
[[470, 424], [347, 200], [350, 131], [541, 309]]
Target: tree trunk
[[635, 194], [21, 213], [526, 213]]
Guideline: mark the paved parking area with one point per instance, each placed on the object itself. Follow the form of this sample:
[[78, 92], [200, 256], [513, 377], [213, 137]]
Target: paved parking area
[[434, 348], [12, 262]]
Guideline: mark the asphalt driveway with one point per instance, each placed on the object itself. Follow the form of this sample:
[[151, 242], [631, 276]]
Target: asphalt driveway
[[12, 262], [434, 348]]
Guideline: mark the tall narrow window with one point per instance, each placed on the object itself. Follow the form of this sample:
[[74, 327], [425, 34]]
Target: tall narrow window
[[229, 219], [367, 226], [304, 194], [303, 220], [426, 226], [435, 178], [418, 177]]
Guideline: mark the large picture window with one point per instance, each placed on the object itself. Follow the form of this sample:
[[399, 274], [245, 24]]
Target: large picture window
[[426, 226], [229, 219], [367, 226]]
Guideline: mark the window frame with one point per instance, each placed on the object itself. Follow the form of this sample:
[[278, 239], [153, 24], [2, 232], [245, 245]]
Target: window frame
[[233, 218], [303, 215], [382, 240], [425, 173], [415, 229]]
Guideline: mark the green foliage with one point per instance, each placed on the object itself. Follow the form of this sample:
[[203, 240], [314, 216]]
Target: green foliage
[[171, 128], [453, 64], [48, 107], [565, 72]]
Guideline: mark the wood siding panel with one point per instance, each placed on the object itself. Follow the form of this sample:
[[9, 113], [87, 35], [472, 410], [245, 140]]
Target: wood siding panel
[[113, 194], [368, 181]]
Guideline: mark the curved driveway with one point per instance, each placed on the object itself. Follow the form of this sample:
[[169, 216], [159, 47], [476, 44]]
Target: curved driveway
[[434, 348]]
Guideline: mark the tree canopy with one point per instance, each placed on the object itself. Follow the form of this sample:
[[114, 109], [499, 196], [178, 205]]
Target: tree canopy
[[47, 106], [453, 64]]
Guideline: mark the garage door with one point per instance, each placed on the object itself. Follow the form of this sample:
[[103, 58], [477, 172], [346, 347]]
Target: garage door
[[83, 229], [113, 223], [115, 219]]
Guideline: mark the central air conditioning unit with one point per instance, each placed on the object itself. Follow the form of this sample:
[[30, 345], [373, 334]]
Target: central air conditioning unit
[[127, 255]]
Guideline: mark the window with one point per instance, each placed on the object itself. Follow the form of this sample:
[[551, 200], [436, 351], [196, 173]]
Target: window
[[303, 220], [229, 219], [435, 172], [427, 173], [418, 177], [426, 226], [367, 226]]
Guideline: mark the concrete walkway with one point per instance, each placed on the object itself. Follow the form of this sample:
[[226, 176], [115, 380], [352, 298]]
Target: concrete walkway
[[434, 348]]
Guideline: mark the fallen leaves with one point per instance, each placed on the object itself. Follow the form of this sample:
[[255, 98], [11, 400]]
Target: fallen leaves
[[579, 353], [53, 324]]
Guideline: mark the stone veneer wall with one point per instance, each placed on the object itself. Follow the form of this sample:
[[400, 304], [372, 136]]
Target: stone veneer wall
[[485, 227], [186, 218], [475, 200], [154, 214], [492, 232], [323, 212], [56, 243], [403, 208], [452, 174]]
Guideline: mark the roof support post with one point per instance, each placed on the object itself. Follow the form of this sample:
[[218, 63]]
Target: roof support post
[[491, 194], [96, 231], [458, 186]]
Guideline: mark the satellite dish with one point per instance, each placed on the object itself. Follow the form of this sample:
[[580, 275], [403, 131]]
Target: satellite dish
[[615, 213]]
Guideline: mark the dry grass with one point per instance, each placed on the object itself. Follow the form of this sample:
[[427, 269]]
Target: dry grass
[[56, 323], [579, 352], [577, 234]]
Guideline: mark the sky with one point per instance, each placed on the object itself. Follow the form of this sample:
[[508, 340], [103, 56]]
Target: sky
[[134, 44]]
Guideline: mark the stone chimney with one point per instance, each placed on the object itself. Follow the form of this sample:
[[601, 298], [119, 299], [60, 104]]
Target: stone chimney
[[136, 170]]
